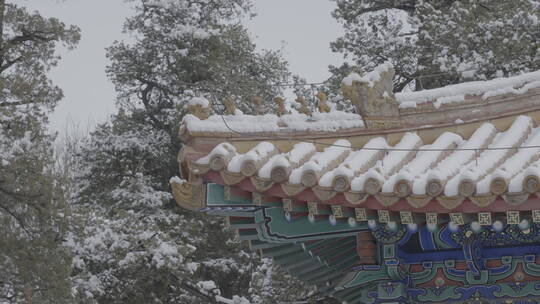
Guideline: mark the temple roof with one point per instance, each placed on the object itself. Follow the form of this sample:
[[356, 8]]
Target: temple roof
[[380, 108], [488, 163], [463, 147], [272, 124], [396, 201]]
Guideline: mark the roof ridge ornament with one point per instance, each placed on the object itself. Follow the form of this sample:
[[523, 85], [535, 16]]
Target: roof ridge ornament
[[199, 107], [257, 102], [373, 96], [281, 110], [230, 105], [323, 104], [304, 108]]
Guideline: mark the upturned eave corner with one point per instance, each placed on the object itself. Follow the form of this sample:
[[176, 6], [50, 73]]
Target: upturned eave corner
[[189, 190], [184, 135], [189, 195]]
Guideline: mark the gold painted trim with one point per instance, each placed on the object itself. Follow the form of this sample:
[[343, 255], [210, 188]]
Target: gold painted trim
[[387, 199], [356, 198], [323, 193], [292, 189], [261, 184], [450, 202], [188, 195], [483, 200], [419, 201], [516, 198], [231, 178]]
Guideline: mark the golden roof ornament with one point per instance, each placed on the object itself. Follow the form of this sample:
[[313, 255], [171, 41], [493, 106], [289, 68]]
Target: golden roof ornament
[[304, 109], [199, 107], [373, 97], [281, 106], [230, 105], [258, 103], [323, 104]]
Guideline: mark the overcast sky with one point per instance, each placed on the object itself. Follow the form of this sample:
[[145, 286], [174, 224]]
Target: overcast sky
[[304, 27]]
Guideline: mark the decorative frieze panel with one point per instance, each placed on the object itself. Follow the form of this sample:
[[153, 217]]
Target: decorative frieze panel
[[431, 218], [536, 216], [457, 218], [337, 211], [512, 217], [406, 217], [384, 216], [287, 205], [360, 214], [313, 208], [484, 218]]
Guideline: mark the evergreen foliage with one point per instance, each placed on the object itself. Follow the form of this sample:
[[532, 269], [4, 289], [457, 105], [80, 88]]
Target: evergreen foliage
[[34, 263], [436, 43], [132, 243]]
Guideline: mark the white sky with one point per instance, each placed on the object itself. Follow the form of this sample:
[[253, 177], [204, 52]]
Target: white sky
[[305, 27]]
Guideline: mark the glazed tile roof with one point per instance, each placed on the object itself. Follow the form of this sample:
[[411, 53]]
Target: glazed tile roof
[[270, 123], [414, 190], [488, 163], [477, 93]]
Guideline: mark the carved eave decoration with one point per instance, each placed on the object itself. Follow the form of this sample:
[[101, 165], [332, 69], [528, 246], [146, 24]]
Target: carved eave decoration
[[191, 196]]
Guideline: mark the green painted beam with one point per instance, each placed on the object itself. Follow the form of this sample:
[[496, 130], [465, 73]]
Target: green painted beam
[[345, 292], [241, 222], [347, 259], [328, 245], [215, 196], [327, 277], [290, 258], [231, 213], [356, 296], [307, 258], [247, 234], [302, 264], [330, 252], [314, 274], [364, 277], [276, 228], [258, 244], [350, 294], [281, 250], [320, 243], [305, 266], [334, 269]]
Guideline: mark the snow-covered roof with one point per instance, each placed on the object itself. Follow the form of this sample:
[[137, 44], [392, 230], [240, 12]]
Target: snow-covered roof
[[270, 123], [488, 163], [450, 105], [457, 93], [485, 89]]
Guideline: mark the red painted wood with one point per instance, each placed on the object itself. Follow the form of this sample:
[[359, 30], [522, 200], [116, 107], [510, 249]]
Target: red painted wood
[[467, 206]]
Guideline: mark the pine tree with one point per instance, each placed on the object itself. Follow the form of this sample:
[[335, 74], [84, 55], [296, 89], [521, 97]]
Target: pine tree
[[441, 42], [34, 263], [132, 243]]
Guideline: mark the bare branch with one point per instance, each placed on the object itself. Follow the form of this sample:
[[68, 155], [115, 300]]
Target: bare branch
[[10, 63]]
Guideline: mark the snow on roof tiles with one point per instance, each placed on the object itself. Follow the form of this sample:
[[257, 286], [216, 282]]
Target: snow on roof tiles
[[447, 167], [270, 123], [456, 93]]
